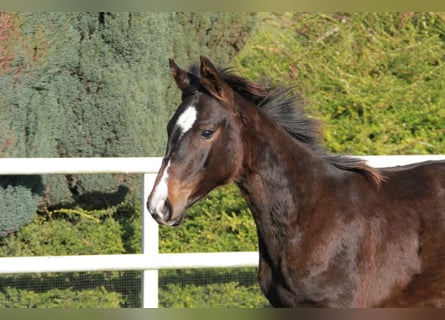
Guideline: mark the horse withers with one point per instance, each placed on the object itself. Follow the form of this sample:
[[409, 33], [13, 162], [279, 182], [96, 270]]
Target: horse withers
[[332, 231]]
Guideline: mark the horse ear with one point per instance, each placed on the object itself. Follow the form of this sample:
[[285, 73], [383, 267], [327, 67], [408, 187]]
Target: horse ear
[[211, 80], [181, 77]]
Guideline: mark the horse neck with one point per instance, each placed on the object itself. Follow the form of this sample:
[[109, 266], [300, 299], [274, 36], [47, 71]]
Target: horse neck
[[277, 173]]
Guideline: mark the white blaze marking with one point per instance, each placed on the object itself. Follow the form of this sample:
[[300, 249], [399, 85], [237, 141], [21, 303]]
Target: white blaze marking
[[185, 122], [187, 119], [160, 194]]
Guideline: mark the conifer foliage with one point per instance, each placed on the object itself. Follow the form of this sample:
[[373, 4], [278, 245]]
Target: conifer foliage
[[95, 85]]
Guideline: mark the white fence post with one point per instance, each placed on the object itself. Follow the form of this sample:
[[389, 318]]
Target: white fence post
[[150, 247]]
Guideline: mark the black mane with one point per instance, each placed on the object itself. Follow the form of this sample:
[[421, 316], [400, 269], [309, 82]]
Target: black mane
[[287, 110]]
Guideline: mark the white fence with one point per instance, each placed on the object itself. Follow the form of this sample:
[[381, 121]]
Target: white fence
[[150, 261]]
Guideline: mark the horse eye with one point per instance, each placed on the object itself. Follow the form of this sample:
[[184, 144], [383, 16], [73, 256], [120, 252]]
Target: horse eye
[[207, 134]]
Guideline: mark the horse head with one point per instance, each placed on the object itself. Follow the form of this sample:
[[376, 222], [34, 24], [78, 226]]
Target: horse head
[[203, 149]]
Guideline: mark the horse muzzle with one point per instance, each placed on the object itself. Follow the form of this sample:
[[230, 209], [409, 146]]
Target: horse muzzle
[[162, 212]]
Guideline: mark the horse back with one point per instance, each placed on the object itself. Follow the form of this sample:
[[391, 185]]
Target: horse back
[[420, 185], [416, 193]]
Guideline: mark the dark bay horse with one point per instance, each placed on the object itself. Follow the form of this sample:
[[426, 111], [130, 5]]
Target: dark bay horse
[[332, 231]]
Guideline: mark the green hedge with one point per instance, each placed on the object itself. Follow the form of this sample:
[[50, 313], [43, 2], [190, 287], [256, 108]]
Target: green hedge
[[221, 222], [376, 79]]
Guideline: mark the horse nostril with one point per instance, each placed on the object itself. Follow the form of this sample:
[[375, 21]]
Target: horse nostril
[[160, 208], [167, 210]]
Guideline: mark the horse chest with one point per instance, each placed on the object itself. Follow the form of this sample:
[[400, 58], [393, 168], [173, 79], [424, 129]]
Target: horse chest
[[290, 282]]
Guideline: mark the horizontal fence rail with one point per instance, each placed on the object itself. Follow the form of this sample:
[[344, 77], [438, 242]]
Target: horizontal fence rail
[[32, 166], [150, 261], [128, 262]]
